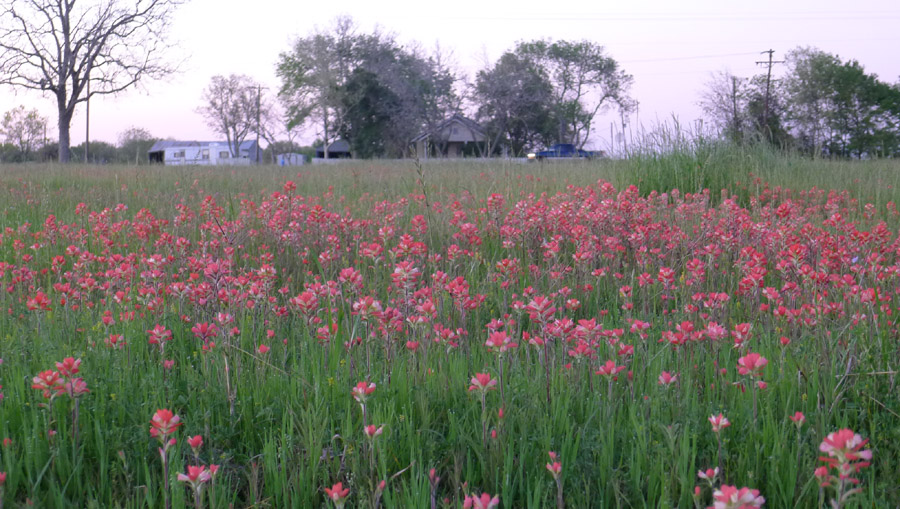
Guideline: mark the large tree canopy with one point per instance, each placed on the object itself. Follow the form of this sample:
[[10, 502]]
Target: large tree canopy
[[585, 81], [77, 49], [313, 74], [822, 105], [514, 103], [836, 108], [544, 91], [364, 87]]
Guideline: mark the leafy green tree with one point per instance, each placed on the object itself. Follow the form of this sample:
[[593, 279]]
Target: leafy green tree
[[364, 87], [369, 105], [134, 143], [24, 129], [761, 125], [585, 81], [313, 74], [514, 100], [807, 85], [395, 94], [838, 109], [9, 153], [100, 152], [865, 114]]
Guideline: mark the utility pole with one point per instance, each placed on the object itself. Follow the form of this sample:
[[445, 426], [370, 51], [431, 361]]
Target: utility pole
[[258, 94], [735, 125], [87, 120], [769, 64], [612, 139]]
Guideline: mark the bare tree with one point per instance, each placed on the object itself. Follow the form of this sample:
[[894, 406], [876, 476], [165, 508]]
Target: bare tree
[[724, 103], [76, 50], [24, 129], [233, 107], [276, 129]]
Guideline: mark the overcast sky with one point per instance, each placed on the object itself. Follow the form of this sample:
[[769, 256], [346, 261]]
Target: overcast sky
[[670, 47]]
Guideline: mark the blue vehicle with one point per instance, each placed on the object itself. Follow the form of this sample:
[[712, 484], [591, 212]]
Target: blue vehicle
[[565, 151]]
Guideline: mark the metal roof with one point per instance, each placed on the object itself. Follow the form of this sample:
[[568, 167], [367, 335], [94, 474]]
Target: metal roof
[[161, 145], [335, 147], [455, 119]]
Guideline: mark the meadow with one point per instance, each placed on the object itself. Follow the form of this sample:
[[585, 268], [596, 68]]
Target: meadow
[[709, 328]]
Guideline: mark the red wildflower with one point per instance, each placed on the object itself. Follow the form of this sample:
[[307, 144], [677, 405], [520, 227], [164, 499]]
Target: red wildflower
[[845, 453], [481, 502], [362, 391], [609, 369], [752, 364], [159, 335], [49, 382], [163, 424], [373, 431], [195, 442], [195, 475], [730, 497], [338, 494], [554, 467], [69, 366], [666, 379], [499, 342], [482, 382], [719, 422]]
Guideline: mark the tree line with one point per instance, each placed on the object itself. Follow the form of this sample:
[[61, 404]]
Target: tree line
[[377, 94], [24, 139], [822, 106]]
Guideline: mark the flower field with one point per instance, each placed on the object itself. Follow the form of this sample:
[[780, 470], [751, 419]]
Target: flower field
[[446, 337]]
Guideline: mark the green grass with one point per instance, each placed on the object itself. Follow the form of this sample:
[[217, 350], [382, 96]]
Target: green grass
[[295, 427]]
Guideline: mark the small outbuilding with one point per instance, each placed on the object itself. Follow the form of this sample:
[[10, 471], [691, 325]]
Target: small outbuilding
[[457, 136], [339, 149], [290, 159]]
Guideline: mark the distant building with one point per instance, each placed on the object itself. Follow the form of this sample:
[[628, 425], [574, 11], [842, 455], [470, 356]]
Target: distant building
[[457, 136], [170, 152], [290, 159], [339, 149]]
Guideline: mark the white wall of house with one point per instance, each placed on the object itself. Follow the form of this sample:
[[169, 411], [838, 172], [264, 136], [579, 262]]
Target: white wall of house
[[213, 154]]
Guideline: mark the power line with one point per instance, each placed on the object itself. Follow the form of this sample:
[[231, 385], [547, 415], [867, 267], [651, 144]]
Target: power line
[[698, 57], [743, 42], [886, 15]]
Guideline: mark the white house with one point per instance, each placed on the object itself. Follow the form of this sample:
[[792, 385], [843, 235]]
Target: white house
[[170, 152]]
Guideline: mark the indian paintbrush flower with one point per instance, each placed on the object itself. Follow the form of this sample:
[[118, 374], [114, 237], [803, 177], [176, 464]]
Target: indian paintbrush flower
[[338, 495], [730, 497]]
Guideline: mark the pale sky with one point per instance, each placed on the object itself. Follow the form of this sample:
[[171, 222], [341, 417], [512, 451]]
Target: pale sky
[[670, 47]]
